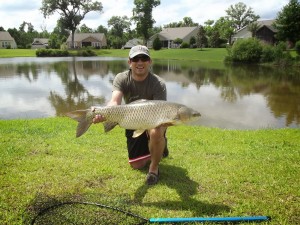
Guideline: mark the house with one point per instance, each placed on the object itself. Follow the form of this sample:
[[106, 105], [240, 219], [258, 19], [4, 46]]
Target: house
[[96, 40], [133, 42], [266, 32], [6, 40], [39, 43], [168, 35]]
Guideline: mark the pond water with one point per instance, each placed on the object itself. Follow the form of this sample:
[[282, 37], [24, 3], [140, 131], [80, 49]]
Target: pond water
[[232, 97]]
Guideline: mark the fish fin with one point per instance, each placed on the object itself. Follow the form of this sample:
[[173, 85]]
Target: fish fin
[[109, 126], [173, 123], [137, 133], [83, 122]]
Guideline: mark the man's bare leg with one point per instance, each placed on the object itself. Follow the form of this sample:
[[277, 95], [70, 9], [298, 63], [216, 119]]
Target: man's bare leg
[[156, 147]]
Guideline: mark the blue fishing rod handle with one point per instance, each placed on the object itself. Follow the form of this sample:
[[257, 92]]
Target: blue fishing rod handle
[[210, 219]]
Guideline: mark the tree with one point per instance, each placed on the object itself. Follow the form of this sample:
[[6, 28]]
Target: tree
[[215, 39], [85, 29], [201, 37], [71, 12], [240, 15], [225, 28], [178, 41], [186, 22], [253, 28], [142, 15], [192, 41], [157, 44], [25, 35], [101, 29], [118, 27], [287, 22]]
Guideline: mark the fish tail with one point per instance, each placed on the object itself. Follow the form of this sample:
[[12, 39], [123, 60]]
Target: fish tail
[[83, 122]]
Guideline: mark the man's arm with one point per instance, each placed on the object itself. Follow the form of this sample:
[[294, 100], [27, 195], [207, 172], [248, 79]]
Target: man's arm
[[116, 99]]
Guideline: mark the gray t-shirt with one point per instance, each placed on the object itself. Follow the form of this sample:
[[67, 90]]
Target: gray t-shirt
[[152, 88]]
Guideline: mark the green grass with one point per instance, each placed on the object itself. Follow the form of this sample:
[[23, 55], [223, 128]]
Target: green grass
[[8, 53], [210, 171], [208, 54], [205, 55]]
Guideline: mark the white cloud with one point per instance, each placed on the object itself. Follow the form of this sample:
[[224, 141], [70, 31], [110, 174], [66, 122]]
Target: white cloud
[[14, 12]]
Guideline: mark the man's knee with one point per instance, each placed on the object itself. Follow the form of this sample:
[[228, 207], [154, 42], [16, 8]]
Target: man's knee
[[157, 133]]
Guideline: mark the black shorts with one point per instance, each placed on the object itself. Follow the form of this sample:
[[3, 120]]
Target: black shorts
[[138, 148]]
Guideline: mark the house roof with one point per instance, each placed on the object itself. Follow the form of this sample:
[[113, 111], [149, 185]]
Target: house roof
[[81, 36], [177, 32], [40, 41], [268, 23], [245, 33], [133, 42], [5, 36]]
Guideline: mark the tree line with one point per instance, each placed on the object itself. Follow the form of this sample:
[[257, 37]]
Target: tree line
[[119, 28]]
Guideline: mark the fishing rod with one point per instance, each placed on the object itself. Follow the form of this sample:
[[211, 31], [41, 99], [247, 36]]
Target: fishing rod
[[160, 220]]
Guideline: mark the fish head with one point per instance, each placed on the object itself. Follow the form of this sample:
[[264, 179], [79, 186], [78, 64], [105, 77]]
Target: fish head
[[186, 114]]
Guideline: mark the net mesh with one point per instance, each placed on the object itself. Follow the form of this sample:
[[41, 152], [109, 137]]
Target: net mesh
[[81, 210]]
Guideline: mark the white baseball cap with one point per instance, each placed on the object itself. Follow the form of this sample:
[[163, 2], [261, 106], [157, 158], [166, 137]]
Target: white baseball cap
[[138, 50]]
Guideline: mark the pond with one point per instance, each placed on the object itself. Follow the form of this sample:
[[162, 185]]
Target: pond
[[231, 97]]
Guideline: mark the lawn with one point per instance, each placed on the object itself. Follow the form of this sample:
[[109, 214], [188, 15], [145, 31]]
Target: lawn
[[210, 172], [7, 53], [208, 54]]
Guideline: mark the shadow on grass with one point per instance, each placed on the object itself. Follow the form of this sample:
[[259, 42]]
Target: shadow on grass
[[177, 178]]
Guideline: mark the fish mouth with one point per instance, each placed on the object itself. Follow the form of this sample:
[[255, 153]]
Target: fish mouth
[[196, 114]]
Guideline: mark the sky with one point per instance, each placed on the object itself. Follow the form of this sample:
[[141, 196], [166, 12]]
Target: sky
[[14, 12]]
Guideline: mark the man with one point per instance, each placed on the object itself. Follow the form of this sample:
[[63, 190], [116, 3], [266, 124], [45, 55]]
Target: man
[[139, 83]]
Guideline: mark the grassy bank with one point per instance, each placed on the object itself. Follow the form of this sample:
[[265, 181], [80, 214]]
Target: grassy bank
[[204, 55], [210, 172]]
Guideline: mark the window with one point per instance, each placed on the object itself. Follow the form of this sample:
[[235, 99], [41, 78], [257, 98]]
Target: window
[[5, 44]]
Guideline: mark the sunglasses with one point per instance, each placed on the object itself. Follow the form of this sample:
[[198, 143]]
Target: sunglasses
[[143, 58]]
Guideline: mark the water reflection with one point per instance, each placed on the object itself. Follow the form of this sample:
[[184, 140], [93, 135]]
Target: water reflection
[[238, 97]]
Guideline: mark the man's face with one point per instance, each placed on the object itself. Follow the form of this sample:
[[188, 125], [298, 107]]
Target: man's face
[[140, 65]]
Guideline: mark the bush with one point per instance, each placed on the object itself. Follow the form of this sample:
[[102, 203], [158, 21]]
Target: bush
[[157, 44], [297, 47], [184, 45], [246, 50], [283, 57], [87, 52], [268, 54], [42, 52]]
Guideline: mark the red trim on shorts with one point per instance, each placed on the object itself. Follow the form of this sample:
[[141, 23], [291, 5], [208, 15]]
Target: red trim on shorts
[[139, 158]]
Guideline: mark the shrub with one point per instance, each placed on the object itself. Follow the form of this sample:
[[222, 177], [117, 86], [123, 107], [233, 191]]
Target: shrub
[[268, 54], [297, 47], [42, 52], [193, 42], [184, 45], [86, 52], [283, 57], [246, 50], [157, 44]]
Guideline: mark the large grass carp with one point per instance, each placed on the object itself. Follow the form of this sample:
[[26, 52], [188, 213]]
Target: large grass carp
[[139, 115]]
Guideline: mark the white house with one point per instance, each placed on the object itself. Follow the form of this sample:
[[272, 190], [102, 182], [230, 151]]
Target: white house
[[168, 35], [6, 40]]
